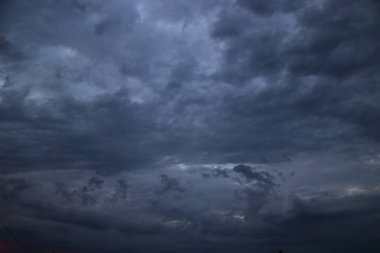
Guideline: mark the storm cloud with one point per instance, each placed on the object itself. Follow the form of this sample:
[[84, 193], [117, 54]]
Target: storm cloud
[[190, 126]]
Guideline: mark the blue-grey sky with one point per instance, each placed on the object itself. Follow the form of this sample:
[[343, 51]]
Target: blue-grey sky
[[190, 126]]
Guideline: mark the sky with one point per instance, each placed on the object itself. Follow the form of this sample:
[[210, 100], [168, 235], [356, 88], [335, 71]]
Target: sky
[[189, 126]]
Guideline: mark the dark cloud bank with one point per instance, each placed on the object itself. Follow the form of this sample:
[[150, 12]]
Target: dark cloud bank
[[190, 126]]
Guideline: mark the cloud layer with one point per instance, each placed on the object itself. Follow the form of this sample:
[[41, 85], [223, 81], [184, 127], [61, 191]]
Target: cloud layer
[[190, 125]]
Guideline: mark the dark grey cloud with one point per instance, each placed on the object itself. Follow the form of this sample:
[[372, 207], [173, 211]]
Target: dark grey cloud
[[327, 219], [169, 184], [11, 188], [246, 214], [250, 174], [63, 144], [269, 8], [336, 54], [260, 7], [121, 190], [190, 126], [86, 194]]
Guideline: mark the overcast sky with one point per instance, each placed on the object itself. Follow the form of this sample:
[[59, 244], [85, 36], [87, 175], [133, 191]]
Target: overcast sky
[[190, 126]]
